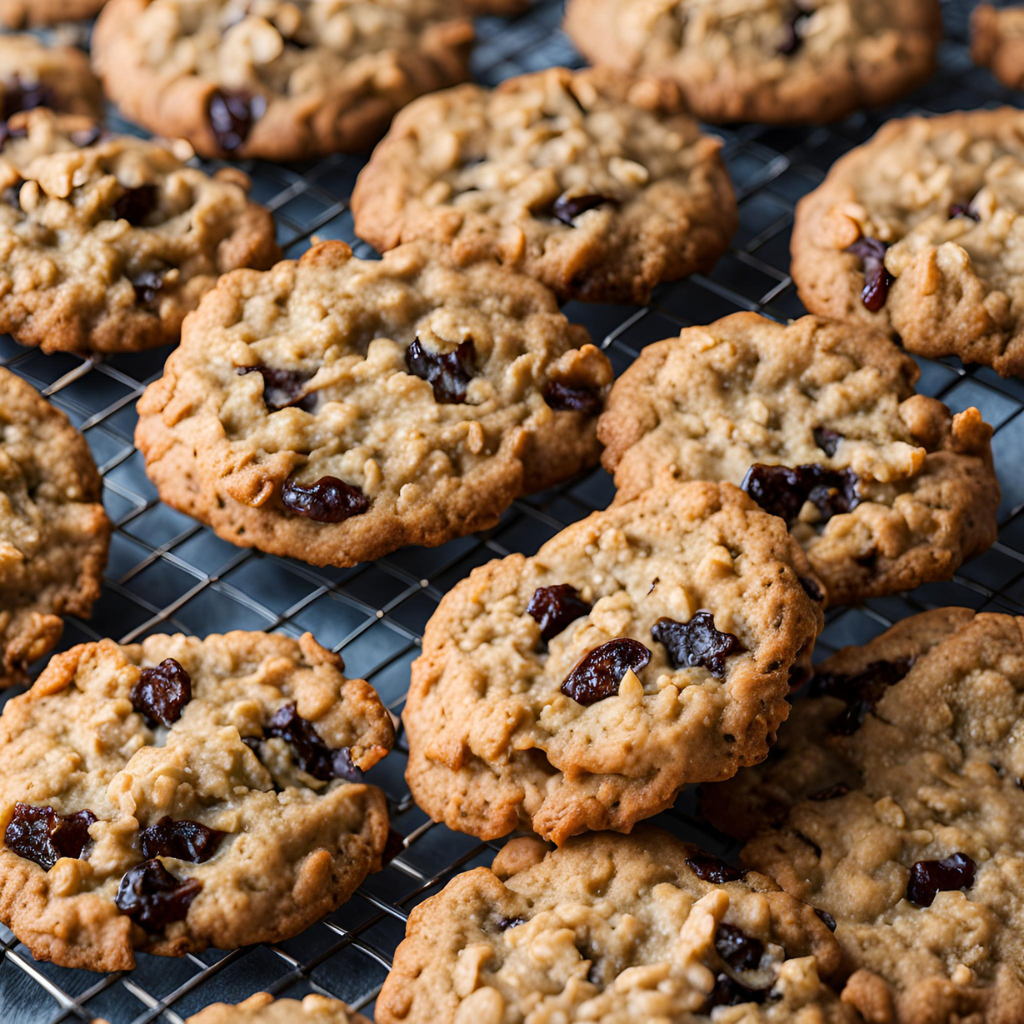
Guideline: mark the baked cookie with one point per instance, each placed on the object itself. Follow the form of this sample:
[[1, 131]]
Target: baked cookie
[[649, 646], [614, 929], [264, 1009], [107, 241], [54, 533], [336, 409], [893, 803], [819, 423], [22, 13], [34, 75], [183, 793], [773, 61], [276, 79], [918, 233], [597, 183], [997, 42]]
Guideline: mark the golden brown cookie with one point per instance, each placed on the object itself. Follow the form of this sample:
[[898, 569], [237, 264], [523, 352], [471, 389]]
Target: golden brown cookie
[[997, 42], [22, 13], [264, 1009]]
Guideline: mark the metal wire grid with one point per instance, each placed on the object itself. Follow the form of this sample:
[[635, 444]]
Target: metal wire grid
[[167, 573]]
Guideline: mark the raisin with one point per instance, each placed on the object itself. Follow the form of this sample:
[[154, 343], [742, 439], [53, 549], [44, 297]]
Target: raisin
[[782, 491], [147, 286], [232, 113], [42, 835], [83, 137], [928, 877], [860, 693], [827, 440], [811, 589], [598, 675], [12, 194], [826, 918], [282, 388], [162, 692], [393, 846], [152, 897], [329, 500], [830, 792], [738, 949], [730, 992], [510, 922], [568, 208], [696, 644], [793, 31], [136, 204], [877, 279], [963, 210], [448, 373], [555, 607], [569, 398], [709, 868], [182, 840], [312, 754], [18, 97]]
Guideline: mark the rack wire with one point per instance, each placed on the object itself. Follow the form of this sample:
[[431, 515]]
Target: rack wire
[[167, 573]]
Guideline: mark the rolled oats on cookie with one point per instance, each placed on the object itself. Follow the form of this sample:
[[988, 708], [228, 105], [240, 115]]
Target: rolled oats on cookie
[[918, 233], [107, 241], [616, 929], [893, 803], [34, 75], [818, 421], [335, 409], [649, 646], [54, 533], [773, 61], [182, 793], [597, 183], [264, 1009], [273, 78]]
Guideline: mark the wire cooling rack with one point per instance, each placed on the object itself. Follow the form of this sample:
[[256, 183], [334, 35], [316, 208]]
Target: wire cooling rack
[[167, 573]]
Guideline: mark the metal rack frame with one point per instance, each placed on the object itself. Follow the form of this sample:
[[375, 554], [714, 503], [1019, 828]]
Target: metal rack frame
[[167, 573]]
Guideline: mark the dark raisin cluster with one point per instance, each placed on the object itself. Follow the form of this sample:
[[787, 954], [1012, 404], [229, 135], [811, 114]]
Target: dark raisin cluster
[[232, 113], [568, 208], [153, 898], [282, 388], [782, 490], [556, 607], [312, 755], [877, 280], [329, 500], [860, 693], [162, 692], [696, 644], [448, 373], [598, 675], [930, 877], [42, 835]]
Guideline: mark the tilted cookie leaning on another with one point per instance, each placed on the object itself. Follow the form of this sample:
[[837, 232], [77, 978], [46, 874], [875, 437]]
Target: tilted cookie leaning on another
[[893, 802], [616, 929], [595, 182], [818, 421], [335, 409], [54, 534], [919, 233], [182, 793], [646, 647], [108, 241]]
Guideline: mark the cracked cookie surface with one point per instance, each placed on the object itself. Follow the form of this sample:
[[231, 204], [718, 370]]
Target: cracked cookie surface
[[32, 13], [892, 801], [183, 793], [918, 232], [335, 409], [107, 241], [595, 182], [772, 61], [273, 78], [264, 1009], [746, 391], [33, 75], [616, 929], [543, 699], [54, 533], [997, 42]]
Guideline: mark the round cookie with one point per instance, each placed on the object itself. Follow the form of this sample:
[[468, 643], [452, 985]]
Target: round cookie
[[336, 409], [893, 803], [183, 793], [596, 183], [997, 42], [54, 533], [649, 646], [34, 75], [22, 13], [274, 79], [108, 241], [772, 61], [917, 232], [264, 1009], [614, 929], [884, 489]]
